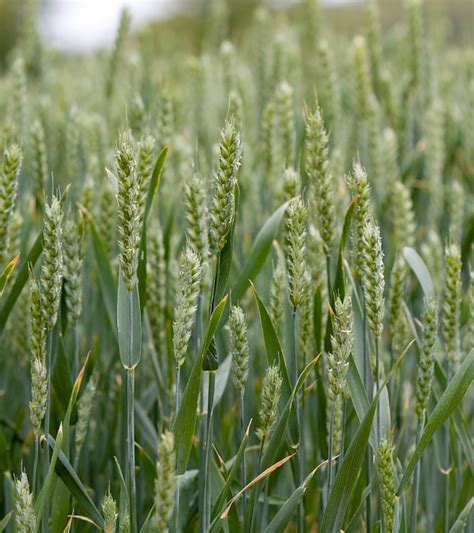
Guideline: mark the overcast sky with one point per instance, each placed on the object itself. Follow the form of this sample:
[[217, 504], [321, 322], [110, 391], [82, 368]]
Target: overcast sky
[[89, 24]]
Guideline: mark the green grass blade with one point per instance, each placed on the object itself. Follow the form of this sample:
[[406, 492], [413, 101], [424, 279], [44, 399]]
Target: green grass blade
[[448, 402], [6, 274], [259, 252], [5, 521], [20, 280], [460, 523], [154, 185], [47, 487], [107, 282], [67, 474], [155, 179], [221, 498], [346, 476], [185, 422], [338, 287], [421, 271], [283, 516], [273, 346]]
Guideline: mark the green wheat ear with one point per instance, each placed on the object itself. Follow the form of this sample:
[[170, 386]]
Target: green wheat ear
[[342, 346], [189, 282], [222, 209], [128, 208], [427, 359], [25, 517], [296, 250], [321, 184], [360, 189], [165, 482], [109, 509], [9, 172], [239, 348], [52, 266], [374, 282], [452, 304], [72, 270], [271, 389], [386, 477]]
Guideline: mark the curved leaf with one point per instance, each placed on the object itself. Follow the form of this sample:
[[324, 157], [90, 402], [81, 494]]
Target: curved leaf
[[153, 187], [421, 271], [21, 279], [273, 347], [448, 402], [69, 477], [282, 518], [347, 474], [7, 272], [47, 487], [219, 505], [107, 282], [259, 252], [185, 421]]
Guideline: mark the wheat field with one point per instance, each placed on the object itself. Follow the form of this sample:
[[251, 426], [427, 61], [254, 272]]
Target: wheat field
[[236, 288]]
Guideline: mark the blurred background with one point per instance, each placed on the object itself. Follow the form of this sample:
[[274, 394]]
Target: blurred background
[[83, 25]]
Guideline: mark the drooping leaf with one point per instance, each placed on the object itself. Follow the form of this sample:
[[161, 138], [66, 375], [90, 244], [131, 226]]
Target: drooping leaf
[[222, 378], [421, 271]]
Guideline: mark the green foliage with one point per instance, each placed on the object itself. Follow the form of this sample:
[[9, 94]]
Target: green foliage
[[196, 315]]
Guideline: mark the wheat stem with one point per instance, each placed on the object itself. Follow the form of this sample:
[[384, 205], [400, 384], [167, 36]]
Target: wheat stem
[[243, 471], [131, 448], [331, 432], [416, 477], [207, 449]]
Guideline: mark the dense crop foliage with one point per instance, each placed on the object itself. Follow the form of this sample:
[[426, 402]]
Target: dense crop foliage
[[236, 290]]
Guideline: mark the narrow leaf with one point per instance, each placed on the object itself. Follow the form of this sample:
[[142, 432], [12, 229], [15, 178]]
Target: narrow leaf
[[107, 282], [421, 271], [185, 421], [282, 518], [153, 187], [259, 252], [218, 506], [260, 477], [7, 272], [67, 474], [20, 280], [47, 487], [448, 402], [273, 347]]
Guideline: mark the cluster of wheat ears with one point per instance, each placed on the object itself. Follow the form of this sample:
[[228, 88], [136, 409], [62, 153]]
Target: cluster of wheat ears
[[235, 283]]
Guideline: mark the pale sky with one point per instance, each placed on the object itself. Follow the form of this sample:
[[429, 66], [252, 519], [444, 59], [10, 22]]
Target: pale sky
[[89, 24]]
